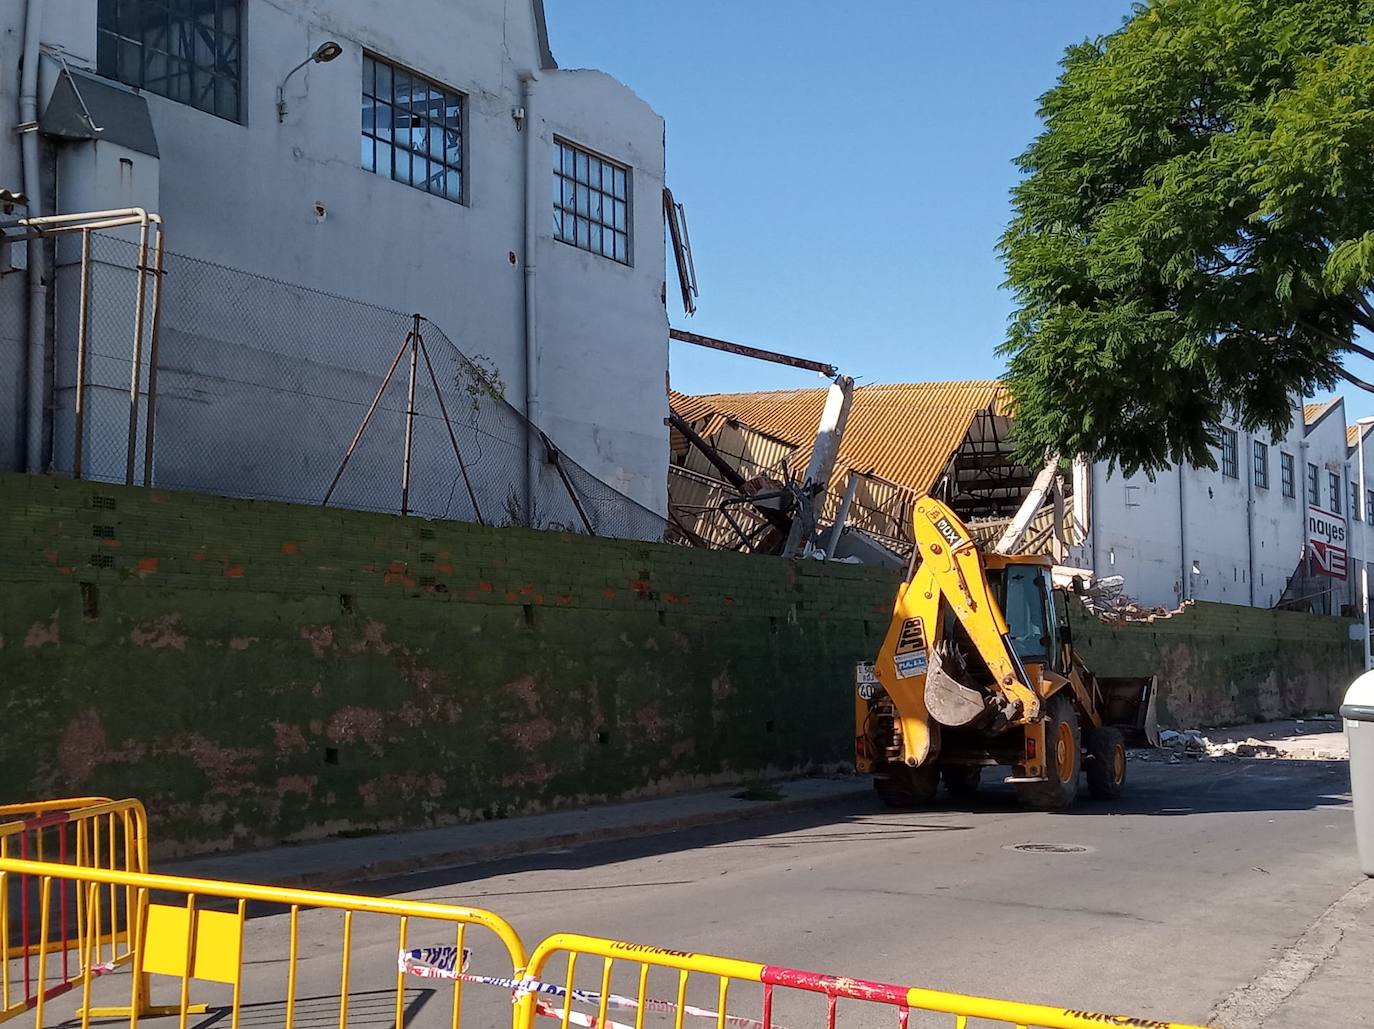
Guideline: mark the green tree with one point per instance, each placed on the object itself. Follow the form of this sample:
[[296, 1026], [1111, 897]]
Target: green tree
[[1193, 237]]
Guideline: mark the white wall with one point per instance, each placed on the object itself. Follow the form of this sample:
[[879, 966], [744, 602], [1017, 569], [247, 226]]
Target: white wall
[[245, 195], [1231, 539]]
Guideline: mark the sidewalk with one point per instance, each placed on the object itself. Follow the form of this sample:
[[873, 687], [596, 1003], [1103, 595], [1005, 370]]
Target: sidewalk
[[1321, 980], [339, 861]]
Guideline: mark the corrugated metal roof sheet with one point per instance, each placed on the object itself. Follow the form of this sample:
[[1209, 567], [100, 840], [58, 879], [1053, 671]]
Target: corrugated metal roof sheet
[[1312, 413], [904, 432]]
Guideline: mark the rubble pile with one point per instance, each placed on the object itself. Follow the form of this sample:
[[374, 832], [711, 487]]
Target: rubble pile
[[1176, 746], [1106, 597]]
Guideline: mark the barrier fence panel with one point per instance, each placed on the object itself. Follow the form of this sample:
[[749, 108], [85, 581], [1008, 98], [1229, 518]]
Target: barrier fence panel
[[86, 932], [701, 989], [253, 955], [37, 922]]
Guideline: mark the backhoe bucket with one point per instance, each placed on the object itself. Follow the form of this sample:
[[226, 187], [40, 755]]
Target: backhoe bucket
[[1129, 704]]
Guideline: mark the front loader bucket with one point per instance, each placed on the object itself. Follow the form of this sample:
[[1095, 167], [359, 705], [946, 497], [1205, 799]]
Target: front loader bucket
[[1129, 704]]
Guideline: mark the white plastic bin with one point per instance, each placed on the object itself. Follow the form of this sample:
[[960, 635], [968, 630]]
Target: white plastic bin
[[1358, 714]]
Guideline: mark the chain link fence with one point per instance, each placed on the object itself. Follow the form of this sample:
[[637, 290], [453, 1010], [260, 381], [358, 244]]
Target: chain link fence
[[253, 387]]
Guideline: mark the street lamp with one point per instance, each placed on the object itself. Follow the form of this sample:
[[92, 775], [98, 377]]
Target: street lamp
[[1362, 426], [324, 53]]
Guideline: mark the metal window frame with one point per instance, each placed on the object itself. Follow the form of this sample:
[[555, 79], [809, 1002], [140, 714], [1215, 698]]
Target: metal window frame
[[1314, 484], [446, 166], [227, 47], [1287, 475], [1259, 454], [564, 213], [1230, 457], [1333, 485], [1355, 509]]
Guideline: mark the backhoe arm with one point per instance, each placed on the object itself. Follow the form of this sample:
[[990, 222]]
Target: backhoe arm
[[951, 567]]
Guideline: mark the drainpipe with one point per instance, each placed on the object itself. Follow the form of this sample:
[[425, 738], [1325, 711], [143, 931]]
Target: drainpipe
[[532, 208], [1091, 540], [1186, 566], [1250, 512], [1303, 558], [33, 187]]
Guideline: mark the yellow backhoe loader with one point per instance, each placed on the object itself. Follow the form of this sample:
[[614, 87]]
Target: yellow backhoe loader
[[978, 670]]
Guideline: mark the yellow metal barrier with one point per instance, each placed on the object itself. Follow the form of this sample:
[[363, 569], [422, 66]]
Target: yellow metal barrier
[[81, 832], [768, 986], [194, 929], [95, 919]]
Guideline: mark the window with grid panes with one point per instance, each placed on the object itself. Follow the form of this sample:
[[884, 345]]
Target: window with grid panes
[[185, 50], [591, 202], [1261, 464], [1314, 492], [1355, 501], [1230, 466], [1286, 475], [412, 129], [1333, 482]]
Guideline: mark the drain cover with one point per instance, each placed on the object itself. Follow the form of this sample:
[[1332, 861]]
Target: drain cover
[[1051, 848]]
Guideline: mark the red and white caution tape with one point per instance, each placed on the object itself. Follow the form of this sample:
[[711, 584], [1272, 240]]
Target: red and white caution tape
[[442, 963]]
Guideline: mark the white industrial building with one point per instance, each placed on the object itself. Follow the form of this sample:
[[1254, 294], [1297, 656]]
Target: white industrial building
[[1277, 521], [437, 161]]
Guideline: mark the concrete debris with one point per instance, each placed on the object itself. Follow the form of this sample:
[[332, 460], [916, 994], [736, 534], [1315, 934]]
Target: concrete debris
[[1106, 597], [1176, 746]]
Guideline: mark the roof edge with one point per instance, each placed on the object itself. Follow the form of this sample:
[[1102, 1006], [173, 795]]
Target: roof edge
[[1331, 406], [541, 33]]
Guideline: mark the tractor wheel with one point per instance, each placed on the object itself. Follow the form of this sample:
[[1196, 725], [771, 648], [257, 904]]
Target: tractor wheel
[[1106, 763], [961, 780], [900, 786], [1063, 757]]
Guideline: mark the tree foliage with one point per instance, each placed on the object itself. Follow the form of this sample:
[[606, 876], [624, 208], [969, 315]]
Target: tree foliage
[[1193, 237]]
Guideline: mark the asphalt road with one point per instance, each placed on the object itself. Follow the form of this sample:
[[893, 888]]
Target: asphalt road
[[1161, 904]]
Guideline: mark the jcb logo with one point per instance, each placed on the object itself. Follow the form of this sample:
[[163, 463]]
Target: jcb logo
[[912, 638], [949, 532]]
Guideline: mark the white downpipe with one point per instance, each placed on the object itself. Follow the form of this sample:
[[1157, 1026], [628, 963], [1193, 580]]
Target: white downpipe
[[1186, 568], [532, 208], [38, 288], [1249, 466], [1364, 548]]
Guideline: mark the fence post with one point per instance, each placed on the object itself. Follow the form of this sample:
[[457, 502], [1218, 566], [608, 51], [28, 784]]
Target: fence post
[[152, 364], [136, 372], [410, 418], [82, 347]]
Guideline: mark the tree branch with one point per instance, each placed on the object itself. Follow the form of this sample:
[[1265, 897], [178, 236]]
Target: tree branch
[[1357, 298], [1368, 387], [1344, 344]]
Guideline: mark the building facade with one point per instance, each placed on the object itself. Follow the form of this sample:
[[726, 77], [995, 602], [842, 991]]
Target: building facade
[[438, 162], [1279, 520]]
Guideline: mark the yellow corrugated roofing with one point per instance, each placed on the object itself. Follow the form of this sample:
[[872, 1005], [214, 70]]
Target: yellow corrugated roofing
[[1312, 413], [904, 432]]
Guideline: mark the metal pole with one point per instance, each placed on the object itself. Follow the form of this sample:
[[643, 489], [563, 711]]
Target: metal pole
[[1364, 554], [82, 346], [410, 418], [149, 428], [443, 409], [136, 364], [841, 516], [371, 410], [555, 456]]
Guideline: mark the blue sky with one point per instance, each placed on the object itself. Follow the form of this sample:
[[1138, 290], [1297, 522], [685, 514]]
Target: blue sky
[[845, 168]]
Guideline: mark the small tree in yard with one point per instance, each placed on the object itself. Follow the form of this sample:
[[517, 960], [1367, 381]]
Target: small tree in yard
[[1194, 235]]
